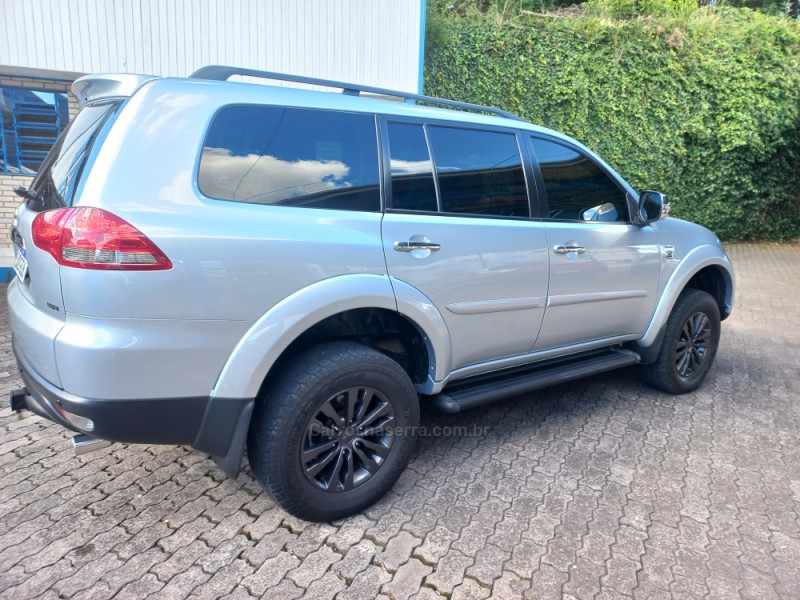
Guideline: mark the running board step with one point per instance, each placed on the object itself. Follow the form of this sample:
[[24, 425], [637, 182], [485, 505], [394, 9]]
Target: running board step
[[470, 397]]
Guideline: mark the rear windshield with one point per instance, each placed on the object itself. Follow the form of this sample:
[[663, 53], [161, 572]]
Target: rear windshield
[[55, 183]]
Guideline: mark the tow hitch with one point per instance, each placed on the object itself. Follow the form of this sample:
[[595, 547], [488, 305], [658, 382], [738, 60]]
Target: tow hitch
[[18, 399], [82, 443]]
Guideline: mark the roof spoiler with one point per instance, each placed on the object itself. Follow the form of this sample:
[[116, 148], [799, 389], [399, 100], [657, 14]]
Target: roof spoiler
[[102, 87]]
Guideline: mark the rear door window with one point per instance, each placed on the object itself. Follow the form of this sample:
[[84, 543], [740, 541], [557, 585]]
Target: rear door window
[[292, 157], [412, 170]]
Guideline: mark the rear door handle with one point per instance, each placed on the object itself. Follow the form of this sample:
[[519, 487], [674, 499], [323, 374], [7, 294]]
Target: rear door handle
[[412, 245], [567, 248]]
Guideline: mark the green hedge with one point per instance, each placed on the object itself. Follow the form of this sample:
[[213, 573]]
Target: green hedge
[[704, 109]]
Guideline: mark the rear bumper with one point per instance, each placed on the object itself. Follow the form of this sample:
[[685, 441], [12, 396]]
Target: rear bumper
[[217, 426], [151, 421]]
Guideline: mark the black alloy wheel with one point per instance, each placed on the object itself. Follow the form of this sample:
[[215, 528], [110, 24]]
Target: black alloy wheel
[[691, 347], [333, 430], [348, 439]]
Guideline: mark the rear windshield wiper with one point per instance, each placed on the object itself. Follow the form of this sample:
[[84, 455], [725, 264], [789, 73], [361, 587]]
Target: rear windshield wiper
[[24, 192], [31, 196]]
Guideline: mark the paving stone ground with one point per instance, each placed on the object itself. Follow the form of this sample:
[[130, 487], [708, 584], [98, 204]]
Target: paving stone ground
[[601, 488]]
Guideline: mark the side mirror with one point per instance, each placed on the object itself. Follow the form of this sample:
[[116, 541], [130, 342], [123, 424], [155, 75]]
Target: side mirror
[[601, 212], [652, 206]]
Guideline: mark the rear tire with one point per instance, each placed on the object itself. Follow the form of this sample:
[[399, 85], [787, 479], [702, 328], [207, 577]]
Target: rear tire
[[333, 431], [689, 346]]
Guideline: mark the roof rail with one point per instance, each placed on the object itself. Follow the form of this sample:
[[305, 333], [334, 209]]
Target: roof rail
[[223, 73]]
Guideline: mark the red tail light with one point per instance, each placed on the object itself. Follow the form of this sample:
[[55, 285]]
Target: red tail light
[[92, 238]]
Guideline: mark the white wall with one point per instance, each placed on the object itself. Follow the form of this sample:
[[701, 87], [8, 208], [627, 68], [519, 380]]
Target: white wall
[[371, 42]]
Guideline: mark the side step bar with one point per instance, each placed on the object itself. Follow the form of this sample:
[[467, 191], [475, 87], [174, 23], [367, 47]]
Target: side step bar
[[470, 397]]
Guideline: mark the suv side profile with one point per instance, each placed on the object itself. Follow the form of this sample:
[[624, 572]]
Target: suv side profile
[[290, 273]]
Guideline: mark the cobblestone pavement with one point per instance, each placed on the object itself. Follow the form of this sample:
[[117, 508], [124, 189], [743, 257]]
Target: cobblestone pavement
[[600, 488]]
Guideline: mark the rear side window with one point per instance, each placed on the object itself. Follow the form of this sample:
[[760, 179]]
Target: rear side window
[[577, 188], [292, 157], [479, 172]]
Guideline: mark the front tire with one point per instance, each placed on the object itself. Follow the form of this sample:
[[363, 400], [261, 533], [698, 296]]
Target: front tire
[[333, 431], [689, 346]]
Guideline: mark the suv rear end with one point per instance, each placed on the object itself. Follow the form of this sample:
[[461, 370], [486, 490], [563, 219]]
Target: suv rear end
[[138, 286], [36, 307]]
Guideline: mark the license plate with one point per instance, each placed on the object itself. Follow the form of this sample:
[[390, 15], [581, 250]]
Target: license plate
[[21, 265]]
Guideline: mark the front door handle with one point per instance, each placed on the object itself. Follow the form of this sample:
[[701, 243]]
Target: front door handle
[[567, 248], [412, 245]]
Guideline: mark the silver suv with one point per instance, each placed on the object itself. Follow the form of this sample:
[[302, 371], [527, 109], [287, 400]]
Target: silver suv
[[293, 272]]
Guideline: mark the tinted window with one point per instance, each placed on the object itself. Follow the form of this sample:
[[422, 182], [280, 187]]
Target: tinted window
[[577, 188], [412, 171], [61, 171], [479, 172], [292, 157]]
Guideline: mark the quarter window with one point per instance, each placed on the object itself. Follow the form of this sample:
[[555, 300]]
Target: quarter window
[[412, 170], [292, 157], [479, 172], [577, 188]]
